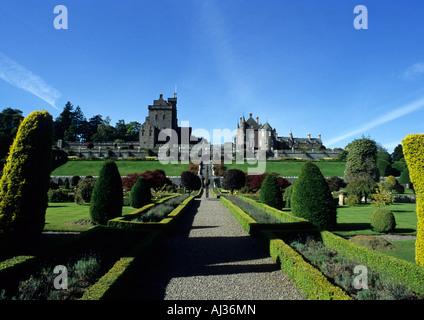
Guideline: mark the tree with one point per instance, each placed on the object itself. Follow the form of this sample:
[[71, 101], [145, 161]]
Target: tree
[[63, 121], [271, 193], [10, 119], [140, 193], [311, 198], [361, 160], [397, 154], [107, 197], [404, 177], [26, 180], [234, 179], [361, 188], [190, 181]]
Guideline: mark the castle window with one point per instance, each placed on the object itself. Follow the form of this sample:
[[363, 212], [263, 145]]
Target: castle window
[[150, 133], [163, 118], [142, 133]]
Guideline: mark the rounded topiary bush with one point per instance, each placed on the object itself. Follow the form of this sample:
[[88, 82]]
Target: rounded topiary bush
[[140, 193], [107, 197], [233, 179], [311, 198], [270, 192], [383, 220]]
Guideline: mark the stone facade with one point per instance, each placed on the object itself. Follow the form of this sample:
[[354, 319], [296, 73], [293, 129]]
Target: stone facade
[[249, 136], [162, 115]]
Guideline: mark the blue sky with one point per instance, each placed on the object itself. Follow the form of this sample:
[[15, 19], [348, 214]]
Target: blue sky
[[300, 65]]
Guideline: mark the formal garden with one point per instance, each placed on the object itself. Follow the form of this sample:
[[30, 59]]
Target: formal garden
[[82, 239]]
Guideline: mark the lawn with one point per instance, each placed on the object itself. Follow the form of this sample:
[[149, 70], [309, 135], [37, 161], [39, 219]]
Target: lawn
[[355, 220], [92, 168], [284, 168], [59, 216], [292, 168]]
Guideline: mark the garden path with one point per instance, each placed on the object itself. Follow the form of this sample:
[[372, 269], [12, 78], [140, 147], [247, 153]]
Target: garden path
[[210, 256]]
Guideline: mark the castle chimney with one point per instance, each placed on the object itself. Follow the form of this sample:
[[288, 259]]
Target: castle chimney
[[319, 136], [309, 136], [257, 120], [161, 96], [250, 114], [291, 135]]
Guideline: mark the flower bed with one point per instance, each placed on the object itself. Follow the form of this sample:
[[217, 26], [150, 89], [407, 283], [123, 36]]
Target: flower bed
[[340, 270]]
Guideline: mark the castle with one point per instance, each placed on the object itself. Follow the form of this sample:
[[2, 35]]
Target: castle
[[248, 136], [163, 115]]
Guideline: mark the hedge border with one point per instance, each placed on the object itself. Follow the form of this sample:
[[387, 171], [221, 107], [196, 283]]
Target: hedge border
[[113, 281], [412, 275], [310, 280]]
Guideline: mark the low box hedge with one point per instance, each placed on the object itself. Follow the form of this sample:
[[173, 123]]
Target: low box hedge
[[309, 279], [410, 274], [246, 221]]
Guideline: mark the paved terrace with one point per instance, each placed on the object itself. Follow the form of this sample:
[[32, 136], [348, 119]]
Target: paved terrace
[[210, 256]]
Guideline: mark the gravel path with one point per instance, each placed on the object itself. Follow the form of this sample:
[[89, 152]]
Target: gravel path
[[211, 257]]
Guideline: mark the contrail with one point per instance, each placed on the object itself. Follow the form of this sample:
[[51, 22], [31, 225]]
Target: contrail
[[15, 74], [393, 115]]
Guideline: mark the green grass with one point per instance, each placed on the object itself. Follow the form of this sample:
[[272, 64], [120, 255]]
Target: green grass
[[92, 168], [405, 249], [284, 168], [292, 168], [59, 215], [355, 220]]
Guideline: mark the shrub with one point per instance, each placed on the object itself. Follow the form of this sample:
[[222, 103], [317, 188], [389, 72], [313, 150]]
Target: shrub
[[75, 180], [413, 150], [190, 181], [107, 197], [384, 167], [335, 183], [382, 198], [352, 199], [287, 196], [383, 221], [66, 184], [404, 177], [140, 194], [55, 196], [26, 179], [270, 192], [311, 198], [234, 179], [84, 190], [361, 188], [392, 180]]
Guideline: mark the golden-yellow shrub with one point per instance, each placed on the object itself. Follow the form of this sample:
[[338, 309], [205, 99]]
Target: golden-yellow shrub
[[413, 149]]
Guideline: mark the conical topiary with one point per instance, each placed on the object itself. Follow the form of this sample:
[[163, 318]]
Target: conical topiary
[[26, 180], [140, 193], [270, 193], [311, 198], [107, 197]]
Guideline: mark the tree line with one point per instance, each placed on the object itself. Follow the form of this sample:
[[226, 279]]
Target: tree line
[[71, 125]]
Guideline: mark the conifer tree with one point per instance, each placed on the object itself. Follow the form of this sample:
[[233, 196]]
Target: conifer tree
[[107, 197], [140, 193], [311, 198], [26, 180], [270, 192]]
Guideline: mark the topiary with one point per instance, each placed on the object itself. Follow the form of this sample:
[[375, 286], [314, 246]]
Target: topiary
[[140, 193], [287, 196], [107, 197], [270, 193], [26, 180], [361, 161], [311, 198], [413, 150], [234, 179], [383, 221], [84, 190]]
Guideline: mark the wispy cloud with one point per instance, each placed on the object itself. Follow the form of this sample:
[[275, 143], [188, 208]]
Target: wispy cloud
[[18, 76], [414, 71], [393, 115]]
